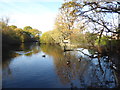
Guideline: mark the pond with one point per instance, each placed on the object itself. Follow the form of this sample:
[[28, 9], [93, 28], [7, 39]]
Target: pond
[[48, 66]]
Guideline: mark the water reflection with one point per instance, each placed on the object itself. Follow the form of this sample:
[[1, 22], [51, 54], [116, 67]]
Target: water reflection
[[9, 54], [72, 69], [95, 72]]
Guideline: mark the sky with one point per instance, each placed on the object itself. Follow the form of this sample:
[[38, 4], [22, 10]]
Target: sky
[[39, 14]]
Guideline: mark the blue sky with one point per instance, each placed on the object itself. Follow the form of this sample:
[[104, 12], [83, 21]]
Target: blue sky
[[39, 14]]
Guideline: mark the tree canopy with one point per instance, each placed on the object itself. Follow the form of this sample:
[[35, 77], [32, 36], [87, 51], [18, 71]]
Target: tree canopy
[[11, 34], [27, 27]]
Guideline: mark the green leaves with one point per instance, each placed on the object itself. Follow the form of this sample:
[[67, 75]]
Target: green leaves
[[103, 41], [46, 38], [13, 35], [13, 27], [27, 27]]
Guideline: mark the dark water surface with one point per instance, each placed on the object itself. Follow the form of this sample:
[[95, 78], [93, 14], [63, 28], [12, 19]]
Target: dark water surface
[[26, 67]]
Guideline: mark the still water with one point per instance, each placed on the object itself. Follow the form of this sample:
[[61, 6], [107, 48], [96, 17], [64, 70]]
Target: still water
[[48, 66]]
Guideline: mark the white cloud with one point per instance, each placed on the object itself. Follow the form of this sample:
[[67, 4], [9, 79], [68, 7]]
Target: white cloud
[[43, 22], [37, 15], [7, 1]]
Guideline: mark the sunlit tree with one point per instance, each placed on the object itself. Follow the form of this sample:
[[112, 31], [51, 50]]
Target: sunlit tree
[[27, 27]]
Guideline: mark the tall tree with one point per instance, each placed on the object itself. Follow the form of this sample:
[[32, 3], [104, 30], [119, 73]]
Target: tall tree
[[65, 20], [99, 16]]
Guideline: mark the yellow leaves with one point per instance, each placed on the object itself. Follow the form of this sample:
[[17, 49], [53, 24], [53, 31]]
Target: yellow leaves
[[27, 27], [18, 29]]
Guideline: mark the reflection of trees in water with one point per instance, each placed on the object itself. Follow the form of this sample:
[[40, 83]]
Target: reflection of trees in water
[[73, 71], [115, 58], [89, 72], [6, 60], [112, 52], [9, 54], [29, 48], [52, 50], [65, 72]]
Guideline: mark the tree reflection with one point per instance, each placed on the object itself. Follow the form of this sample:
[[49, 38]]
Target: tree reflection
[[9, 54], [29, 48], [89, 72]]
